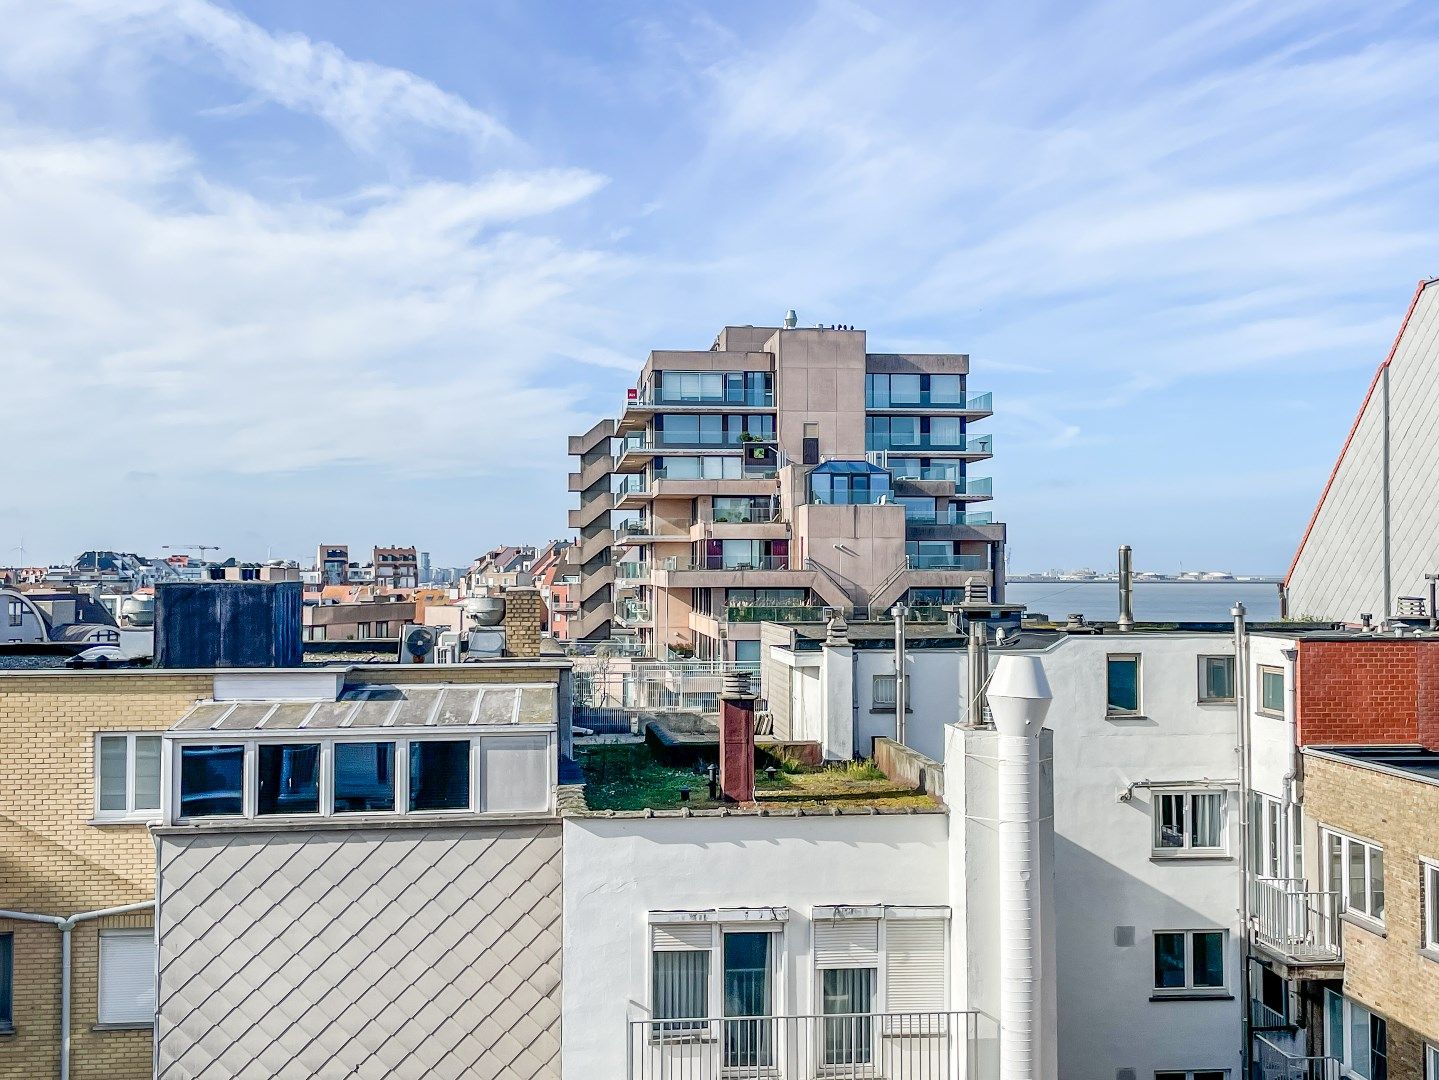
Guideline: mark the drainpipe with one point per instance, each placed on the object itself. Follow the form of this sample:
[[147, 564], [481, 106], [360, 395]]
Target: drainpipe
[[1241, 721], [65, 926], [901, 677], [977, 669], [1019, 699]]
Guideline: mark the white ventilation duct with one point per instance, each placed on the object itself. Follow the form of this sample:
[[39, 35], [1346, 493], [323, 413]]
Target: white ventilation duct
[[1019, 699]]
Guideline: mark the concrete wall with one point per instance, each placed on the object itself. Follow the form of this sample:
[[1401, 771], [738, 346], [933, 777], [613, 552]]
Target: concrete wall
[[819, 379], [365, 952], [1338, 572], [53, 861], [618, 870], [1386, 972]]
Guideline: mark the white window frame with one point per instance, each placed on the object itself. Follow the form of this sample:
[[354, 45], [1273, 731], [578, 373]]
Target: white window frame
[[1431, 1061], [1429, 909], [877, 680], [1346, 900], [1188, 849], [1344, 1053], [1189, 989], [772, 921], [1115, 710], [1205, 699], [1259, 706], [149, 935], [15, 611], [250, 742], [130, 813]]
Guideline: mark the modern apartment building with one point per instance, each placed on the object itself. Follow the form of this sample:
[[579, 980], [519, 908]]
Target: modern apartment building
[[779, 472], [397, 567]]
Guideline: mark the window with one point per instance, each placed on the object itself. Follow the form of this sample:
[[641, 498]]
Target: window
[[1188, 961], [364, 777], [289, 778], [846, 956], [1357, 1037], [1271, 691], [1429, 891], [212, 781], [1193, 1074], [127, 777], [1216, 678], [440, 775], [883, 693], [1122, 682], [1355, 870], [1266, 836], [127, 977], [16, 611], [1188, 821], [7, 982], [1431, 1062], [680, 975]]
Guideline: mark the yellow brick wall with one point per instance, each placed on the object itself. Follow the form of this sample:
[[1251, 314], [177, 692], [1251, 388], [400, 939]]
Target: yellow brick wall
[[54, 862], [1386, 973]]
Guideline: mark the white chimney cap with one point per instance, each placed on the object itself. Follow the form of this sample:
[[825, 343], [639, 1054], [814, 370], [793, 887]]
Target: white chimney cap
[[1019, 695]]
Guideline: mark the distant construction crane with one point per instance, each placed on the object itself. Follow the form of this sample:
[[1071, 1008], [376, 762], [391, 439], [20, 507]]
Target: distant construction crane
[[201, 548]]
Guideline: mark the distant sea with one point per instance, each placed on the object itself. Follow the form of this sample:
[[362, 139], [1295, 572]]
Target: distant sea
[[1154, 601]]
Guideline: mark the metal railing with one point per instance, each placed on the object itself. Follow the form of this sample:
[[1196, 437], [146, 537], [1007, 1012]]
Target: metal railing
[[1300, 924], [632, 614], [1271, 1062], [857, 1046], [967, 444], [798, 613], [1261, 1016], [634, 484], [757, 562], [751, 398], [948, 516], [748, 471], [968, 402], [947, 562], [632, 571]]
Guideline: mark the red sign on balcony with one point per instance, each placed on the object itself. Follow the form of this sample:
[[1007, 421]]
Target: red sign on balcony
[[632, 395]]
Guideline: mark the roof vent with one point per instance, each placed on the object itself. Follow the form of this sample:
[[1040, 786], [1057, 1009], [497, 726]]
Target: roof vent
[[791, 320]]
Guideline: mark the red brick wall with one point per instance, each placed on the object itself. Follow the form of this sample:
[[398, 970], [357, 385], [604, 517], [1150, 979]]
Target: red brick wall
[[1384, 691]]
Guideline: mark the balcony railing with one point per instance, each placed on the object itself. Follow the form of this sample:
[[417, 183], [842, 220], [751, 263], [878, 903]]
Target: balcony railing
[[1272, 1062], [754, 562], [634, 484], [860, 1046], [632, 571], [747, 471], [947, 562], [948, 516], [967, 402], [966, 444], [777, 613], [749, 397], [1294, 922], [632, 614]]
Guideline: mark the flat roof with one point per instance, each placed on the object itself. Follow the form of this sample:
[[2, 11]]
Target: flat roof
[[411, 706], [1031, 635], [1413, 762]]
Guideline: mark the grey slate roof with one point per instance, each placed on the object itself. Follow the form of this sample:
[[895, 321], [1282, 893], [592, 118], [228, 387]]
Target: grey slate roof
[[382, 706]]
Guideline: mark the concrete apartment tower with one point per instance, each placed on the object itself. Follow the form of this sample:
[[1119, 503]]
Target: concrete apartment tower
[[779, 472]]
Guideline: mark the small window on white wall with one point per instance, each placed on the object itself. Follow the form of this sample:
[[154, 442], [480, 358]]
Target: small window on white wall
[[680, 976], [1188, 823], [127, 977]]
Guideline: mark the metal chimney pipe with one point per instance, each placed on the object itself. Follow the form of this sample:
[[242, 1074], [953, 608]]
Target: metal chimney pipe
[[978, 670], [1019, 699], [901, 678], [1126, 588]]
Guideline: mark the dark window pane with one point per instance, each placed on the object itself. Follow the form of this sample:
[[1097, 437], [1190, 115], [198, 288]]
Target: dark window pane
[[212, 780], [1209, 959], [7, 979], [364, 776], [1272, 691], [1123, 684], [289, 778], [1169, 961], [439, 775]]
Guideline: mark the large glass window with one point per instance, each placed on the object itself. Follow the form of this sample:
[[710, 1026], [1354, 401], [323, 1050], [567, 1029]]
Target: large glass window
[[440, 775], [1355, 870], [1271, 690], [747, 989], [288, 778], [1189, 960], [127, 776], [848, 1001], [908, 391], [1358, 1037], [212, 781], [364, 777], [1188, 821], [680, 988], [1216, 678], [1122, 684], [842, 487]]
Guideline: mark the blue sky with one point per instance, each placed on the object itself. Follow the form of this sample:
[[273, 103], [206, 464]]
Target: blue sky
[[288, 272]]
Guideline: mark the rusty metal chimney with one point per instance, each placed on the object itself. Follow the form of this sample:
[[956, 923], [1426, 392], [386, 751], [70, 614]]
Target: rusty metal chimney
[[736, 738]]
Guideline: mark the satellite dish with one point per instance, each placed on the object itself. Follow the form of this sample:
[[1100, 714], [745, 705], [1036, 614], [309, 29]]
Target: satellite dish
[[420, 642]]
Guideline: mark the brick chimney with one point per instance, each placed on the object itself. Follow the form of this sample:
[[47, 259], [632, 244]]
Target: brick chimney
[[522, 621], [736, 738]]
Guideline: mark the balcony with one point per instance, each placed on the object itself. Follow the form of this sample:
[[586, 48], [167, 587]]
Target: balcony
[[1273, 1062], [784, 613], [632, 571], [979, 445], [1299, 928], [947, 562], [633, 613], [929, 402], [746, 398], [892, 1046], [948, 516]]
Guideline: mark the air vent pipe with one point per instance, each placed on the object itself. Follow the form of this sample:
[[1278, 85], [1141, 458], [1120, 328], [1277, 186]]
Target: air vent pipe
[[1126, 589], [1019, 700]]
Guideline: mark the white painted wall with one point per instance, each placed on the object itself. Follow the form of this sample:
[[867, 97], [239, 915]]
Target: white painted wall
[[31, 626], [617, 870]]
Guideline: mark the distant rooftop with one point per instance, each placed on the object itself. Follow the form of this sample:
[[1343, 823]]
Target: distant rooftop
[[381, 707], [1412, 761]]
